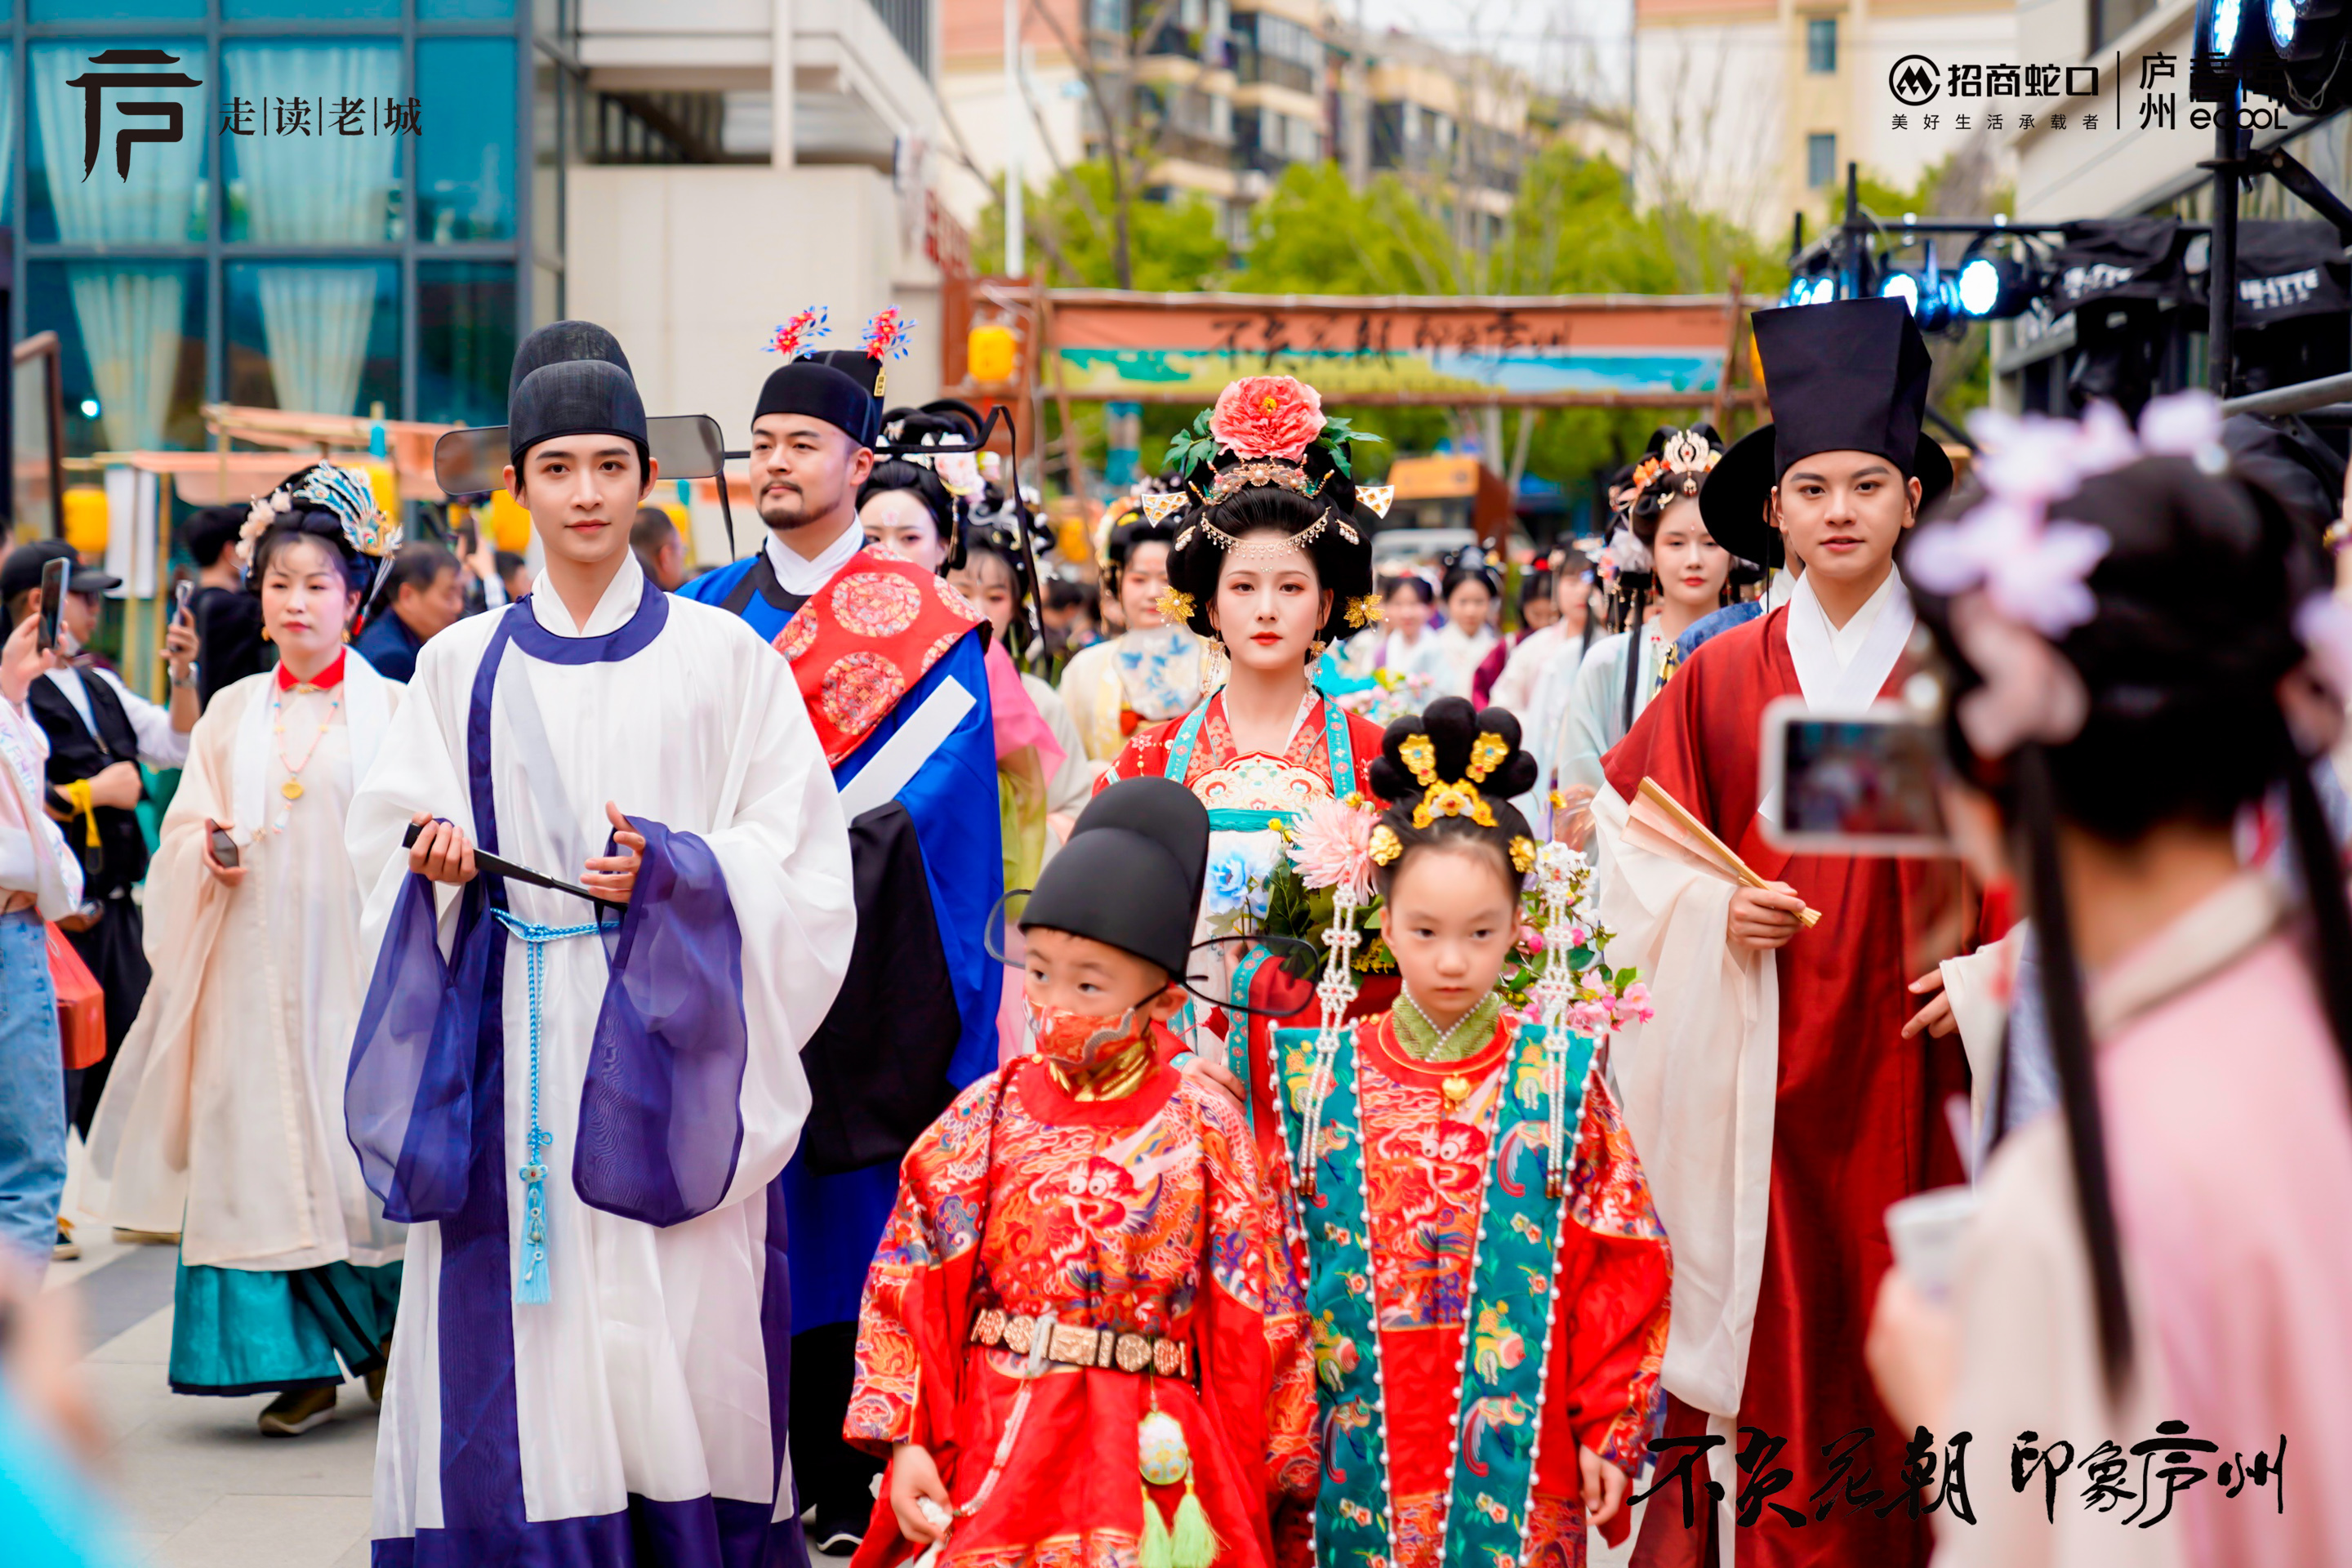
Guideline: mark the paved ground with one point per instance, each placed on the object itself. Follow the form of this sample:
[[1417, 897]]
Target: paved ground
[[199, 1485]]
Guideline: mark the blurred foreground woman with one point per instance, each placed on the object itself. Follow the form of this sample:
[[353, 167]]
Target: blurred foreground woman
[[2141, 653]]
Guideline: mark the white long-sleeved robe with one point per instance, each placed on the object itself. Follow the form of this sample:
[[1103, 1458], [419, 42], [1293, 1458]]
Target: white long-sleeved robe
[[644, 1394], [224, 1117]]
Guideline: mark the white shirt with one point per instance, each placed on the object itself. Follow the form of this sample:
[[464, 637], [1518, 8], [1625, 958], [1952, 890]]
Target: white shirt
[[160, 745], [806, 578], [20, 870]]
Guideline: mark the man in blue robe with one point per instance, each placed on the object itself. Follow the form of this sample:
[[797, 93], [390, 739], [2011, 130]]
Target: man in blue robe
[[891, 665]]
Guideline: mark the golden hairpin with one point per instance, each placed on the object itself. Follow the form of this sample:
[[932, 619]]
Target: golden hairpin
[[1175, 606], [1420, 758], [1460, 799], [1386, 846], [1486, 753], [1523, 854]]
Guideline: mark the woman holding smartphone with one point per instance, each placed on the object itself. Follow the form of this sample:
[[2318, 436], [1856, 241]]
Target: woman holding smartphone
[[2162, 1256], [227, 1106]]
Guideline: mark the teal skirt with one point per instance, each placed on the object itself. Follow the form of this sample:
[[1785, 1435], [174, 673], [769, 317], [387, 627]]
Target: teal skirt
[[241, 1331]]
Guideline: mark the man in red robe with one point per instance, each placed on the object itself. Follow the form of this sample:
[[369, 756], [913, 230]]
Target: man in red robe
[[1773, 1100]]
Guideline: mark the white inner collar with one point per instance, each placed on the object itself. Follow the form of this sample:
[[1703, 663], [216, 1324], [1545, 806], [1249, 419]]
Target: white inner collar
[[612, 611], [1843, 668], [798, 574]]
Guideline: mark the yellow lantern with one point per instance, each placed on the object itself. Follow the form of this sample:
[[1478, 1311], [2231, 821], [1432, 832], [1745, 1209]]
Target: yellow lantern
[[1070, 536], [680, 519], [86, 520], [386, 486], [510, 524], [990, 355]]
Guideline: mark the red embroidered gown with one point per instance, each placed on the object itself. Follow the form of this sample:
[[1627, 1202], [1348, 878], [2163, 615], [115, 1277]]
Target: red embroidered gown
[[1220, 774], [1425, 1188], [1144, 1215], [1851, 1128]]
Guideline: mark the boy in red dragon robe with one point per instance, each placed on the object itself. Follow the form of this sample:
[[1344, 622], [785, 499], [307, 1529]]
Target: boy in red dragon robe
[[1080, 1344]]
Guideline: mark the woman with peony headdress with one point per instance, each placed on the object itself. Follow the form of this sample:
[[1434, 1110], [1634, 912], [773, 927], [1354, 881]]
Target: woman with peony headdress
[[1271, 564]]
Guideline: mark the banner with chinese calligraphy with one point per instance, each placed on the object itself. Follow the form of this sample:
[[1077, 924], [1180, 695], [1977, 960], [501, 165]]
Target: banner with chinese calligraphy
[[1558, 349]]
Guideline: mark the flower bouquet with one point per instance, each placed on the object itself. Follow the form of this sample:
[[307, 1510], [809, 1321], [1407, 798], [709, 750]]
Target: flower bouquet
[[1601, 999], [1330, 846], [1393, 695]]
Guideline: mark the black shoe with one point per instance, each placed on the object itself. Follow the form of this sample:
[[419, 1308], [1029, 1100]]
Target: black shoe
[[836, 1537]]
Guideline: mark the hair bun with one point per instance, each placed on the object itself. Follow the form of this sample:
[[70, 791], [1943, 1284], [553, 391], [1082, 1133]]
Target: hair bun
[[1453, 728]]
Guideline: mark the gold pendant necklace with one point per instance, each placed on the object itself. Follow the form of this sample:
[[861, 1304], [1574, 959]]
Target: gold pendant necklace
[[292, 788], [1419, 1038]]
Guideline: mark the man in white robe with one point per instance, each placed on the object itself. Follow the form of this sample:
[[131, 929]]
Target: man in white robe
[[593, 1360]]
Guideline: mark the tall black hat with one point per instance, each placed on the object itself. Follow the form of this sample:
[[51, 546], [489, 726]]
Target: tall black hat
[[1132, 873], [571, 378], [1848, 376]]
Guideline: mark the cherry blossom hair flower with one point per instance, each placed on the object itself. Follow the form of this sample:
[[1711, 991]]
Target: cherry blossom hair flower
[[1267, 416], [2034, 568], [1332, 845]]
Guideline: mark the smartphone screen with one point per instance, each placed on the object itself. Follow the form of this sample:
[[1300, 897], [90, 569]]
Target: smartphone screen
[[53, 599], [181, 594], [1853, 784]]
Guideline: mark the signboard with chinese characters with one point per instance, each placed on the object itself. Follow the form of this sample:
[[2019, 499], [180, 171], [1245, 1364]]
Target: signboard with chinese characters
[[1653, 350]]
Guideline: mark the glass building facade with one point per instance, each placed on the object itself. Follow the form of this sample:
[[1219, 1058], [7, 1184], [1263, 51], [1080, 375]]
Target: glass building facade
[[348, 221]]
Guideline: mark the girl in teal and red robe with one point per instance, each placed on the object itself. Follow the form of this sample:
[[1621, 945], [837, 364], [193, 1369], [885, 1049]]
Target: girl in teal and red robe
[[1486, 1279]]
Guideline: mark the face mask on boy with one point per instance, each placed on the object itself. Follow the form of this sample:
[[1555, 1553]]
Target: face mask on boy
[[1078, 1043]]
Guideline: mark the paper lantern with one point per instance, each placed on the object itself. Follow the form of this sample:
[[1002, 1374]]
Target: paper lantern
[[1070, 536], [990, 354], [680, 518], [386, 486], [510, 524], [86, 520]]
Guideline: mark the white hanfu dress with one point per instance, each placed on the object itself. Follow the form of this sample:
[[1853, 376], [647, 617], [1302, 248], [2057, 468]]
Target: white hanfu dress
[[637, 1414]]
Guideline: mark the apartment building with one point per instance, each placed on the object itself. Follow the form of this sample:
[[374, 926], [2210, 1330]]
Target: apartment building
[[1229, 94], [1753, 107]]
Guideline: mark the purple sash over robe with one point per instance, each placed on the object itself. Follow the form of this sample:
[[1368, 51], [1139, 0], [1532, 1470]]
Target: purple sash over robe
[[660, 1129]]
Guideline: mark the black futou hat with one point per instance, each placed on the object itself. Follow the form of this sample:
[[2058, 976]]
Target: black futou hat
[[836, 387], [1132, 873], [1849, 376], [571, 378]]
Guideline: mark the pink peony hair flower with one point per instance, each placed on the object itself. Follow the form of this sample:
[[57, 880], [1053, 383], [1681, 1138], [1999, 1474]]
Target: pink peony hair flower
[[1267, 416]]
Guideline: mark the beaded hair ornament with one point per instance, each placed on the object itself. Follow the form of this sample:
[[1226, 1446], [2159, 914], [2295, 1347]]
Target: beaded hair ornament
[[341, 492], [1686, 453]]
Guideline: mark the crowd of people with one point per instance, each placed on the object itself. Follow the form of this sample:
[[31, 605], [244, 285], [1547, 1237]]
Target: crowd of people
[[738, 1063]]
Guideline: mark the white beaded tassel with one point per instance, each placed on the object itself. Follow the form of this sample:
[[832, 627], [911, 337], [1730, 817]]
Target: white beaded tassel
[[1336, 992], [1560, 872]]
